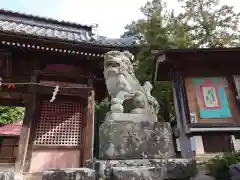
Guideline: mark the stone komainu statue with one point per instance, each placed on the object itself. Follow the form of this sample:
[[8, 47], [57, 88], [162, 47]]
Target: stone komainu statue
[[122, 84]]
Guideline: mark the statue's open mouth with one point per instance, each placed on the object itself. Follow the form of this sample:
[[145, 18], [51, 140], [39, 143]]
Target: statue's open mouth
[[111, 63]]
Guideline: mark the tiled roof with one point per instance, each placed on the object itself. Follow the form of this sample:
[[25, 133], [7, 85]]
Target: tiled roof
[[24, 16], [28, 25], [13, 129]]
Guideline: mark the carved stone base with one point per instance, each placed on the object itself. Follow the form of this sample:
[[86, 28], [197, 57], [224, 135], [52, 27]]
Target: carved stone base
[[134, 136], [145, 169], [126, 117], [69, 174], [235, 171], [143, 173], [6, 175]]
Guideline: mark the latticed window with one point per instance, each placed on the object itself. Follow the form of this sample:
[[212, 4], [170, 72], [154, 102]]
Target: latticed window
[[60, 124]]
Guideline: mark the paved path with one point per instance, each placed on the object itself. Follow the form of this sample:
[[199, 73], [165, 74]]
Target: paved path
[[201, 175]]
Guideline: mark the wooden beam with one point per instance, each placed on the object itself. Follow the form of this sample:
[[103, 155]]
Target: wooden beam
[[88, 127], [26, 126], [181, 116], [11, 102], [222, 130], [35, 118], [64, 75], [88, 130], [67, 92], [91, 124], [9, 65], [92, 119], [219, 124]]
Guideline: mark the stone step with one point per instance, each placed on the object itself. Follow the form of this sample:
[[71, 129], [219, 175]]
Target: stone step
[[69, 174], [205, 157], [167, 168], [32, 176], [141, 172]]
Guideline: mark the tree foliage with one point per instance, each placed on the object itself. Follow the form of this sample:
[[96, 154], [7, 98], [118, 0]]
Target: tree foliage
[[10, 114], [200, 23]]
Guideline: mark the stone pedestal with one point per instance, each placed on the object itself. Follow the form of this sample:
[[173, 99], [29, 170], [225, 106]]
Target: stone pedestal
[[136, 146], [69, 174], [129, 173], [235, 171], [174, 168], [134, 136], [6, 175]]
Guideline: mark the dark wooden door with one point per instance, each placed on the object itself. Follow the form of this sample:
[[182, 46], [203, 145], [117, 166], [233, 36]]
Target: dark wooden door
[[214, 143]]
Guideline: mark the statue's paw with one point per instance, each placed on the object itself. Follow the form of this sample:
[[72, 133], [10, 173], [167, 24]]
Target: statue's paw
[[116, 101], [117, 108], [138, 111]]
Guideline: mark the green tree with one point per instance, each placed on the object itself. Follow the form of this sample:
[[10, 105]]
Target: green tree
[[10, 114], [201, 23], [211, 24]]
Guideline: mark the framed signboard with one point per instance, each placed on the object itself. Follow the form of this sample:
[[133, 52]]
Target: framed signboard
[[211, 97]]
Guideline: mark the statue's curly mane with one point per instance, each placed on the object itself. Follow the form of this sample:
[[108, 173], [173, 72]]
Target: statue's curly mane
[[122, 58], [122, 83]]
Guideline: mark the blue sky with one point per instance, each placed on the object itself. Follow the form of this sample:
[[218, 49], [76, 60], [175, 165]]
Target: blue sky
[[110, 15]]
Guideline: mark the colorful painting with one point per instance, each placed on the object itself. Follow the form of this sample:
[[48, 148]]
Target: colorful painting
[[211, 97]]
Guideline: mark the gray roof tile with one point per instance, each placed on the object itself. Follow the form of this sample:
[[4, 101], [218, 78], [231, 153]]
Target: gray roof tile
[[29, 25]]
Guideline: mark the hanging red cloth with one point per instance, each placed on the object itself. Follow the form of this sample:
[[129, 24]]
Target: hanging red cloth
[[11, 86]]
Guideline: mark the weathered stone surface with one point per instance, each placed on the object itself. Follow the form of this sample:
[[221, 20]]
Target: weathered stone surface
[[123, 85], [130, 136], [6, 175], [143, 173], [235, 171], [69, 174], [170, 168]]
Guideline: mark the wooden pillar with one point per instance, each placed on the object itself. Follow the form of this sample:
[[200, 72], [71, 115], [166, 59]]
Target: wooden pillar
[[35, 118], [182, 116], [88, 129], [27, 125], [90, 126]]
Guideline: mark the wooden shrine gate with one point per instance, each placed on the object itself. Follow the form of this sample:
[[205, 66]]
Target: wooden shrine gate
[[58, 139]]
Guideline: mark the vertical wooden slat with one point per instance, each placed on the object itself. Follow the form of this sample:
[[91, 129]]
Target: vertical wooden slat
[[92, 119], [181, 115], [8, 65], [26, 126], [88, 127], [27, 163]]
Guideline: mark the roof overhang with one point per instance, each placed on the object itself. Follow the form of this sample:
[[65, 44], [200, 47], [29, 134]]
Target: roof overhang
[[167, 61], [72, 34], [13, 39]]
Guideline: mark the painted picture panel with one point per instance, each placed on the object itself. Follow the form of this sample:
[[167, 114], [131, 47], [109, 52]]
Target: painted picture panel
[[211, 97]]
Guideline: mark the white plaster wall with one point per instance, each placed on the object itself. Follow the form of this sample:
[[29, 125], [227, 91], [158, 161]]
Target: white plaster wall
[[196, 144], [236, 143], [199, 145]]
